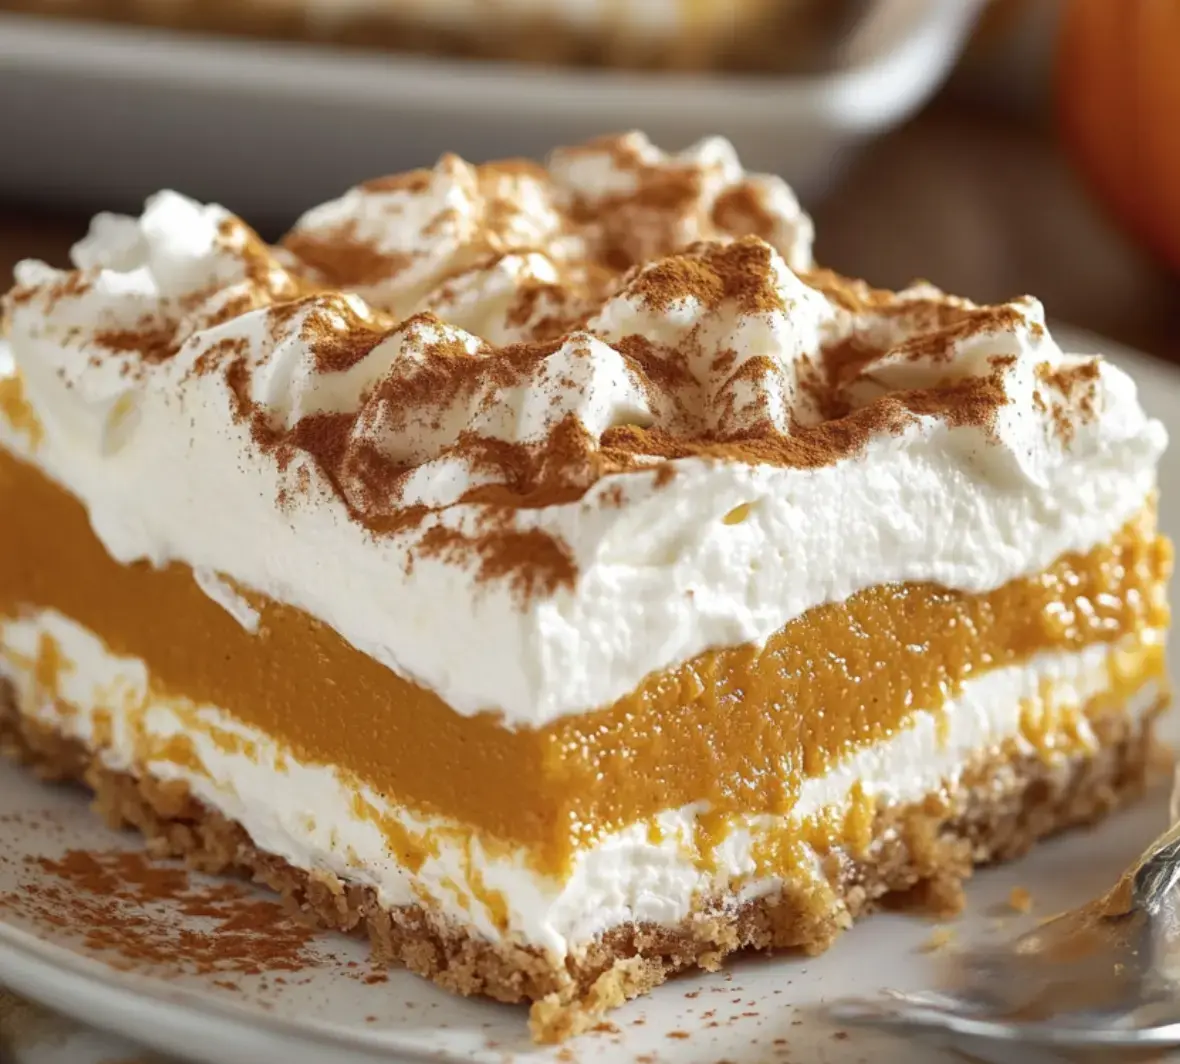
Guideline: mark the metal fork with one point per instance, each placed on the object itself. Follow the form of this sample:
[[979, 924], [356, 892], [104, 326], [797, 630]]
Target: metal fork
[[1101, 978]]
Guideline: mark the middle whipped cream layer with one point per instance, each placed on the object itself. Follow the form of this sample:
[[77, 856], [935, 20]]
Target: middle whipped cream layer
[[308, 814], [585, 455]]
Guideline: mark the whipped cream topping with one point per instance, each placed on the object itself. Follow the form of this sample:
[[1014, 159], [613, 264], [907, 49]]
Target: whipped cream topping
[[307, 815], [686, 447], [512, 250]]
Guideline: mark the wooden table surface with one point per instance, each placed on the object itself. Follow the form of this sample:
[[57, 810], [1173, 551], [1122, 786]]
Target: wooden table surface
[[988, 208], [980, 206]]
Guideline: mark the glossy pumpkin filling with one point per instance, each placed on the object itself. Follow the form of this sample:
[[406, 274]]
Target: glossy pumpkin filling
[[740, 728]]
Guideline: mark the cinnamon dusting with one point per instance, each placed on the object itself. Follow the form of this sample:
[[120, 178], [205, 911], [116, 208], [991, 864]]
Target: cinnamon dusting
[[1068, 395], [124, 906], [713, 274], [341, 256], [369, 483], [70, 286], [337, 335], [533, 562], [742, 209], [414, 181], [152, 340]]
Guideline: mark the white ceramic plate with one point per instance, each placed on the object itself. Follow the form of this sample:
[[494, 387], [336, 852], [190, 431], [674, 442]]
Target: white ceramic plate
[[759, 1013], [108, 114]]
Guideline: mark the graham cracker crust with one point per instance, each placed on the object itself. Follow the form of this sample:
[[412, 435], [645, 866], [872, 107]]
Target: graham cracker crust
[[920, 856]]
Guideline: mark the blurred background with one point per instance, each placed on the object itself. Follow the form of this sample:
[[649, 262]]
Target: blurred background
[[994, 147]]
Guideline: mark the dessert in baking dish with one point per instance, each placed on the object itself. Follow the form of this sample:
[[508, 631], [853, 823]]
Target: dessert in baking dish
[[673, 34]]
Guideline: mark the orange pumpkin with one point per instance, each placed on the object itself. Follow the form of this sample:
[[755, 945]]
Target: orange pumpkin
[[1118, 99]]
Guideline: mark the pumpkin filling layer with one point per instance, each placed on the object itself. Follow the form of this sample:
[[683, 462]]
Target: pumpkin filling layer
[[739, 728]]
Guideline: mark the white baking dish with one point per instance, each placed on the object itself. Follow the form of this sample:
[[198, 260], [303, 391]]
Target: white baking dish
[[103, 115]]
